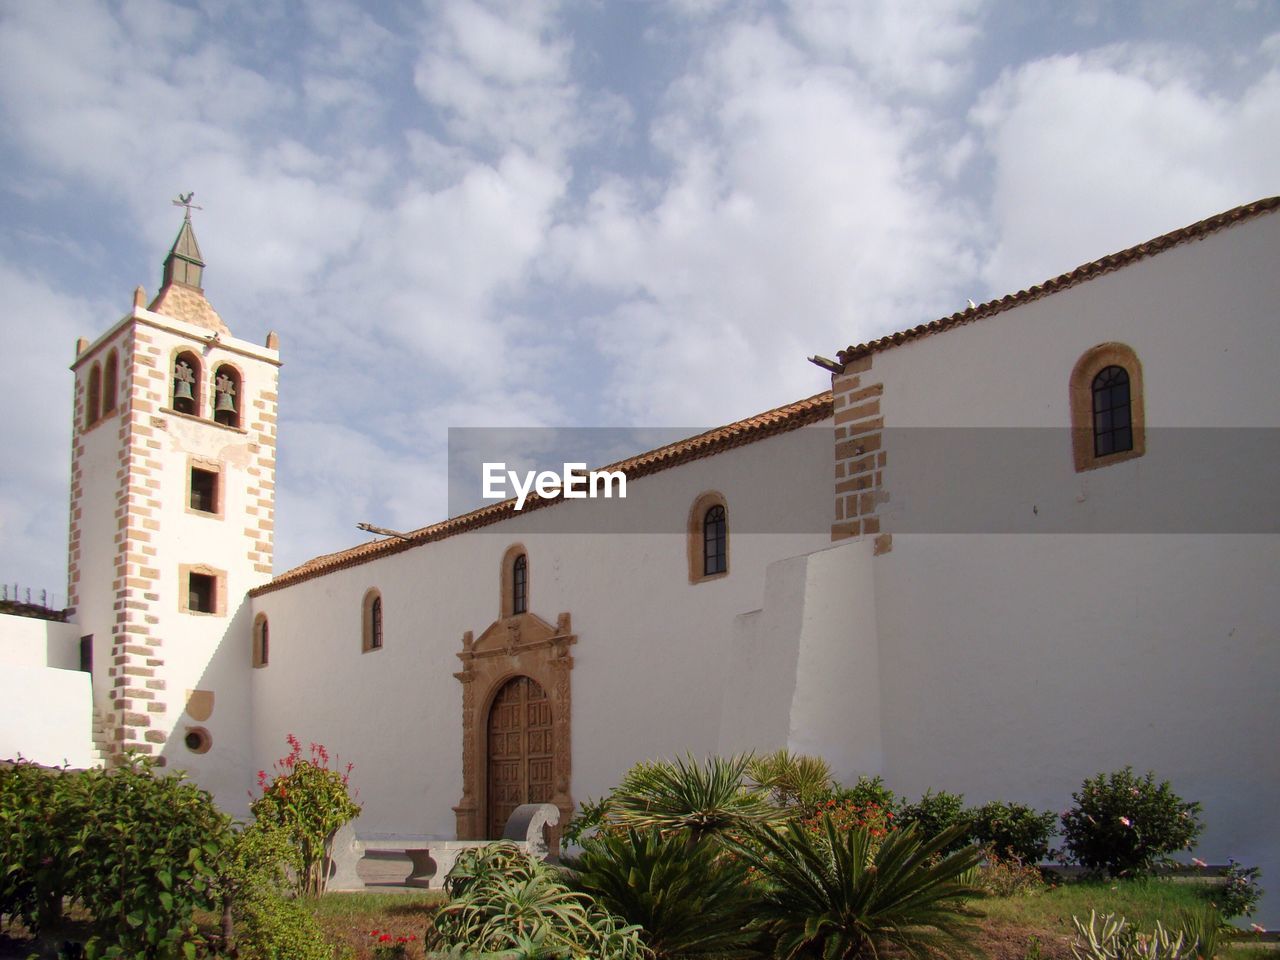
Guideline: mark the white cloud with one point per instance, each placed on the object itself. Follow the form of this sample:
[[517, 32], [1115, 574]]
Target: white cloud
[[36, 393], [1096, 152], [793, 221], [918, 46]]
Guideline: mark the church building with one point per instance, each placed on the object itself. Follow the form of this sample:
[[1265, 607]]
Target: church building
[[1006, 550]]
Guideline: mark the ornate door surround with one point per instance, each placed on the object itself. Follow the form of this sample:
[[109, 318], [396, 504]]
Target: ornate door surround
[[522, 645]]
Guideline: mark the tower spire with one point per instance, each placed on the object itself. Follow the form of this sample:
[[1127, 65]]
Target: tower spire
[[184, 264], [181, 294]]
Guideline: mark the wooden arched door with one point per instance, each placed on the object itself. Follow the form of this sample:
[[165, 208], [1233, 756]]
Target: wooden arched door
[[520, 749]]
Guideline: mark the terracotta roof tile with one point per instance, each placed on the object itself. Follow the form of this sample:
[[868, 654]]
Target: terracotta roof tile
[[1081, 274], [187, 303], [751, 430]]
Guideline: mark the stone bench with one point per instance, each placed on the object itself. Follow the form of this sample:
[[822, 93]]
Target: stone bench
[[432, 857]]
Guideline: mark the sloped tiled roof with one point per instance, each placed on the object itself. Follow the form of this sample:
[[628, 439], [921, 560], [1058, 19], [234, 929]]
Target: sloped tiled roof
[[751, 430], [187, 303], [1081, 274]]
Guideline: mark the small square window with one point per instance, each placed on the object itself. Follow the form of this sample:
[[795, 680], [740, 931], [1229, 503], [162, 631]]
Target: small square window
[[204, 490], [201, 593]]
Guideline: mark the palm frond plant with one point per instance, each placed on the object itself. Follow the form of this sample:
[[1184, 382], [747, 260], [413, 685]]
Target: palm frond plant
[[793, 779], [689, 900], [830, 897], [683, 796]]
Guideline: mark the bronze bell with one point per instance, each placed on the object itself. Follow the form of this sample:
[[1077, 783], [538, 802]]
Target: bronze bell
[[182, 390], [226, 403]]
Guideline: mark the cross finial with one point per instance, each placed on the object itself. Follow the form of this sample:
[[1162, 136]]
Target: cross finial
[[186, 202]]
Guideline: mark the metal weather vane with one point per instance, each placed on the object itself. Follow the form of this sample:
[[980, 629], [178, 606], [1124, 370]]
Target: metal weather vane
[[186, 202]]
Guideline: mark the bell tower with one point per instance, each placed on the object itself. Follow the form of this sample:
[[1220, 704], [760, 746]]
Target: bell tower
[[172, 517]]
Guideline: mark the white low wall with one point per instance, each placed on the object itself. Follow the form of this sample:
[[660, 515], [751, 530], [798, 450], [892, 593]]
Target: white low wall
[[28, 642], [46, 715]]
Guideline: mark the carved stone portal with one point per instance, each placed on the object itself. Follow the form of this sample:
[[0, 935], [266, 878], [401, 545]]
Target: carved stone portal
[[520, 646]]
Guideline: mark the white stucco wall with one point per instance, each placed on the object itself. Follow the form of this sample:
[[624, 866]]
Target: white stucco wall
[[30, 642], [47, 716], [1015, 665], [652, 661]]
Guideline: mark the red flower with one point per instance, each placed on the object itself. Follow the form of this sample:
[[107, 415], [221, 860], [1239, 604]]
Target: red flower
[[384, 938], [374, 933]]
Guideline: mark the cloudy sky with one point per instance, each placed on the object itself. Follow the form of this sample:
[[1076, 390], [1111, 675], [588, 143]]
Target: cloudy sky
[[598, 213]]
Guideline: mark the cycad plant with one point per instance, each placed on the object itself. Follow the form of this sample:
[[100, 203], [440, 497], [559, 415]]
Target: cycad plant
[[683, 796], [691, 900], [828, 896]]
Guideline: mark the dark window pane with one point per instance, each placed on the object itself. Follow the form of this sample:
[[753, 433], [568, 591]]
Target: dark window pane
[[375, 623], [200, 593], [520, 585], [714, 554], [1112, 415]]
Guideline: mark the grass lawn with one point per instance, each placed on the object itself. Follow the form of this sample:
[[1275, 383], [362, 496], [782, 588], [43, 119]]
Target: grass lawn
[[1007, 926], [1008, 923]]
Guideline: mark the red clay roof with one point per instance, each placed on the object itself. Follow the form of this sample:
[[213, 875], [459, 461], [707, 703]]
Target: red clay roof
[[760, 427], [1081, 274]]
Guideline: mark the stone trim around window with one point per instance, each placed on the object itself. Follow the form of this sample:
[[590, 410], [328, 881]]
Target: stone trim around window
[[219, 487], [372, 635], [697, 515], [506, 581], [261, 641], [185, 570], [1093, 362]]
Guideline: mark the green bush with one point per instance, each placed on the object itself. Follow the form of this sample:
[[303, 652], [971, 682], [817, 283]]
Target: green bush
[[1124, 825], [504, 900], [869, 791], [34, 837], [1014, 830], [936, 812], [139, 852], [1239, 892], [310, 802], [689, 900]]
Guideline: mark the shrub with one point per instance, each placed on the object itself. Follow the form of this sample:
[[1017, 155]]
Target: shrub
[[1108, 938], [591, 818], [505, 900], [848, 814], [34, 840], [688, 900], [1007, 877], [137, 851], [1204, 930], [1123, 825], [310, 802], [1239, 892], [1013, 830], [870, 790], [834, 899], [936, 812]]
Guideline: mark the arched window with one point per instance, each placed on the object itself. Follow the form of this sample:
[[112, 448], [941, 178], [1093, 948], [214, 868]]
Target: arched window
[[1107, 419], [93, 397], [186, 384], [226, 396], [514, 580], [708, 539], [261, 641], [520, 584], [110, 383], [371, 633]]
